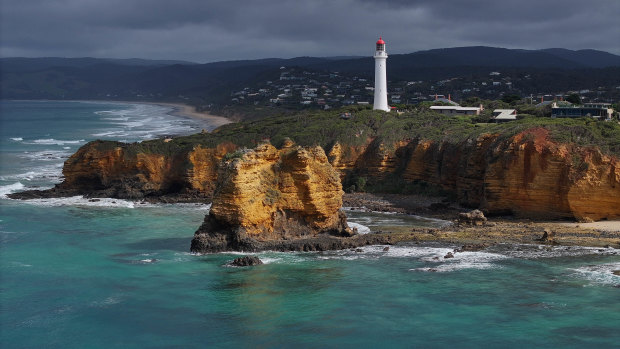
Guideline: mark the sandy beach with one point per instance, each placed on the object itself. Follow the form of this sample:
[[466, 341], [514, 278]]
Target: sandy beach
[[190, 111], [607, 226]]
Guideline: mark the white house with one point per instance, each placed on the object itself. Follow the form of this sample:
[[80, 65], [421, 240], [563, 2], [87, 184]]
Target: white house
[[457, 110], [501, 115]]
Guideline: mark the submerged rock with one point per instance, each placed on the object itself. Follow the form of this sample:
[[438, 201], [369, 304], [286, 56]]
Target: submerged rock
[[246, 261]]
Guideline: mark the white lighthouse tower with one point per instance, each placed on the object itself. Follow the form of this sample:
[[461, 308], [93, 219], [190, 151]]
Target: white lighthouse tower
[[380, 77]]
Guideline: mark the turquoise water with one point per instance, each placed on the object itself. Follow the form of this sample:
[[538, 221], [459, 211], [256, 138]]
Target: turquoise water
[[115, 273]]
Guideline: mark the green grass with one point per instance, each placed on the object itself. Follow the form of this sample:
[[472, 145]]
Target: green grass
[[324, 128]]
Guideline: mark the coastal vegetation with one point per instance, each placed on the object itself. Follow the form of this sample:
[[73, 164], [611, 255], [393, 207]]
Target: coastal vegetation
[[325, 128]]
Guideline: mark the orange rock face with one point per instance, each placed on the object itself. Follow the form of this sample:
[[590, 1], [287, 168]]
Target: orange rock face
[[110, 167], [527, 174], [268, 194]]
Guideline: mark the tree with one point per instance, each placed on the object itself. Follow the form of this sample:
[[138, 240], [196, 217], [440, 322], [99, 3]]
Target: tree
[[574, 98], [511, 98]]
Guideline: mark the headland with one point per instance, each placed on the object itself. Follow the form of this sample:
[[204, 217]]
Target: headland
[[526, 172]]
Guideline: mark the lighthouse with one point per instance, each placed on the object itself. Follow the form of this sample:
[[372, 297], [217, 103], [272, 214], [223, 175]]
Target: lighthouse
[[380, 77]]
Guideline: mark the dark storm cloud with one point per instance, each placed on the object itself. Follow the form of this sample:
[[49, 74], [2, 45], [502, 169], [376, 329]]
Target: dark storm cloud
[[204, 30]]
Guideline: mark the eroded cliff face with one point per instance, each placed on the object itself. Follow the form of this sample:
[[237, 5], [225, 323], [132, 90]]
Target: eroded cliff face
[[268, 195], [526, 174], [118, 172]]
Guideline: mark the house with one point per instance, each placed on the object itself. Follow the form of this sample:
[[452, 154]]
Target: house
[[503, 115], [595, 110], [457, 110]]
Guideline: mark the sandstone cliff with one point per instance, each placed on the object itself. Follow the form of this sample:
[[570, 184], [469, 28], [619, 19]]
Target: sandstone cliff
[[527, 174], [265, 196]]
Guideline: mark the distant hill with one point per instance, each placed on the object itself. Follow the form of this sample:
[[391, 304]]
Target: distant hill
[[20, 64], [141, 79]]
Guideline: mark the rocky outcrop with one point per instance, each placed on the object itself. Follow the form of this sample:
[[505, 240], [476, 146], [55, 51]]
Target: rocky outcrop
[[267, 196], [475, 217], [246, 261], [136, 171]]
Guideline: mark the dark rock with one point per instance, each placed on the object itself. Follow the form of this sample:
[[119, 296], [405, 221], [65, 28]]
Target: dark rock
[[246, 261], [548, 235], [449, 255], [616, 272], [386, 248], [437, 206], [471, 248], [359, 250], [475, 217]]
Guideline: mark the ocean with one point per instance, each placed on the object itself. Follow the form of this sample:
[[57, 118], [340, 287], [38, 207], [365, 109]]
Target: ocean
[[118, 274]]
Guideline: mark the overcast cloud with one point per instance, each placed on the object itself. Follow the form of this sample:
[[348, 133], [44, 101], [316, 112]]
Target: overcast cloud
[[206, 30]]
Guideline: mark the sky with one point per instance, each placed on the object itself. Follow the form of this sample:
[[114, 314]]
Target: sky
[[206, 30]]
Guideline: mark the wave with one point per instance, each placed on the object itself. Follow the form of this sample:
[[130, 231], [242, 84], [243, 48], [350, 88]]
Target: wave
[[361, 229], [143, 122], [599, 274], [11, 188], [46, 155], [531, 251], [81, 201], [52, 141], [51, 173], [17, 139]]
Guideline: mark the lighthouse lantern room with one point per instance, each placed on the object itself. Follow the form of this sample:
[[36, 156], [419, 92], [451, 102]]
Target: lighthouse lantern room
[[380, 56]]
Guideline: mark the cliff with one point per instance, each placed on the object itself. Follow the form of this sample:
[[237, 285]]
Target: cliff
[[527, 175], [135, 171], [267, 196], [536, 167]]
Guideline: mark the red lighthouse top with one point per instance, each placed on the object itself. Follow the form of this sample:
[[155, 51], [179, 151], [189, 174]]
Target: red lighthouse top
[[380, 41]]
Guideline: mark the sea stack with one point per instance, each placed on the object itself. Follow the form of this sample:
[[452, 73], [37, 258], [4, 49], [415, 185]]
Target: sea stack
[[267, 198]]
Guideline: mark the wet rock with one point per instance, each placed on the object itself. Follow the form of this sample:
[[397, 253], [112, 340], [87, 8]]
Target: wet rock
[[438, 206], [358, 250], [246, 261], [386, 248], [475, 217], [616, 272], [449, 255], [471, 248], [548, 235]]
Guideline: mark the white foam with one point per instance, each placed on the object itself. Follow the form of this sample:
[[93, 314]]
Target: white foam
[[17, 139], [52, 141], [143, 122], [530, 251], [52, 173], [426, 254], [46, 155], [599, 274], [361, 229], [81, 201], [8, 189]]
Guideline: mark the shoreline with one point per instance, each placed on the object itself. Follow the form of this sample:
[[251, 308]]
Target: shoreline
[[178, 109], [496, 230], [188, 111]]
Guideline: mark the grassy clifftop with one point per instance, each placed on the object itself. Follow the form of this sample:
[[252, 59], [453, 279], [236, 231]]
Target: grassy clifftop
[[324, 128]]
